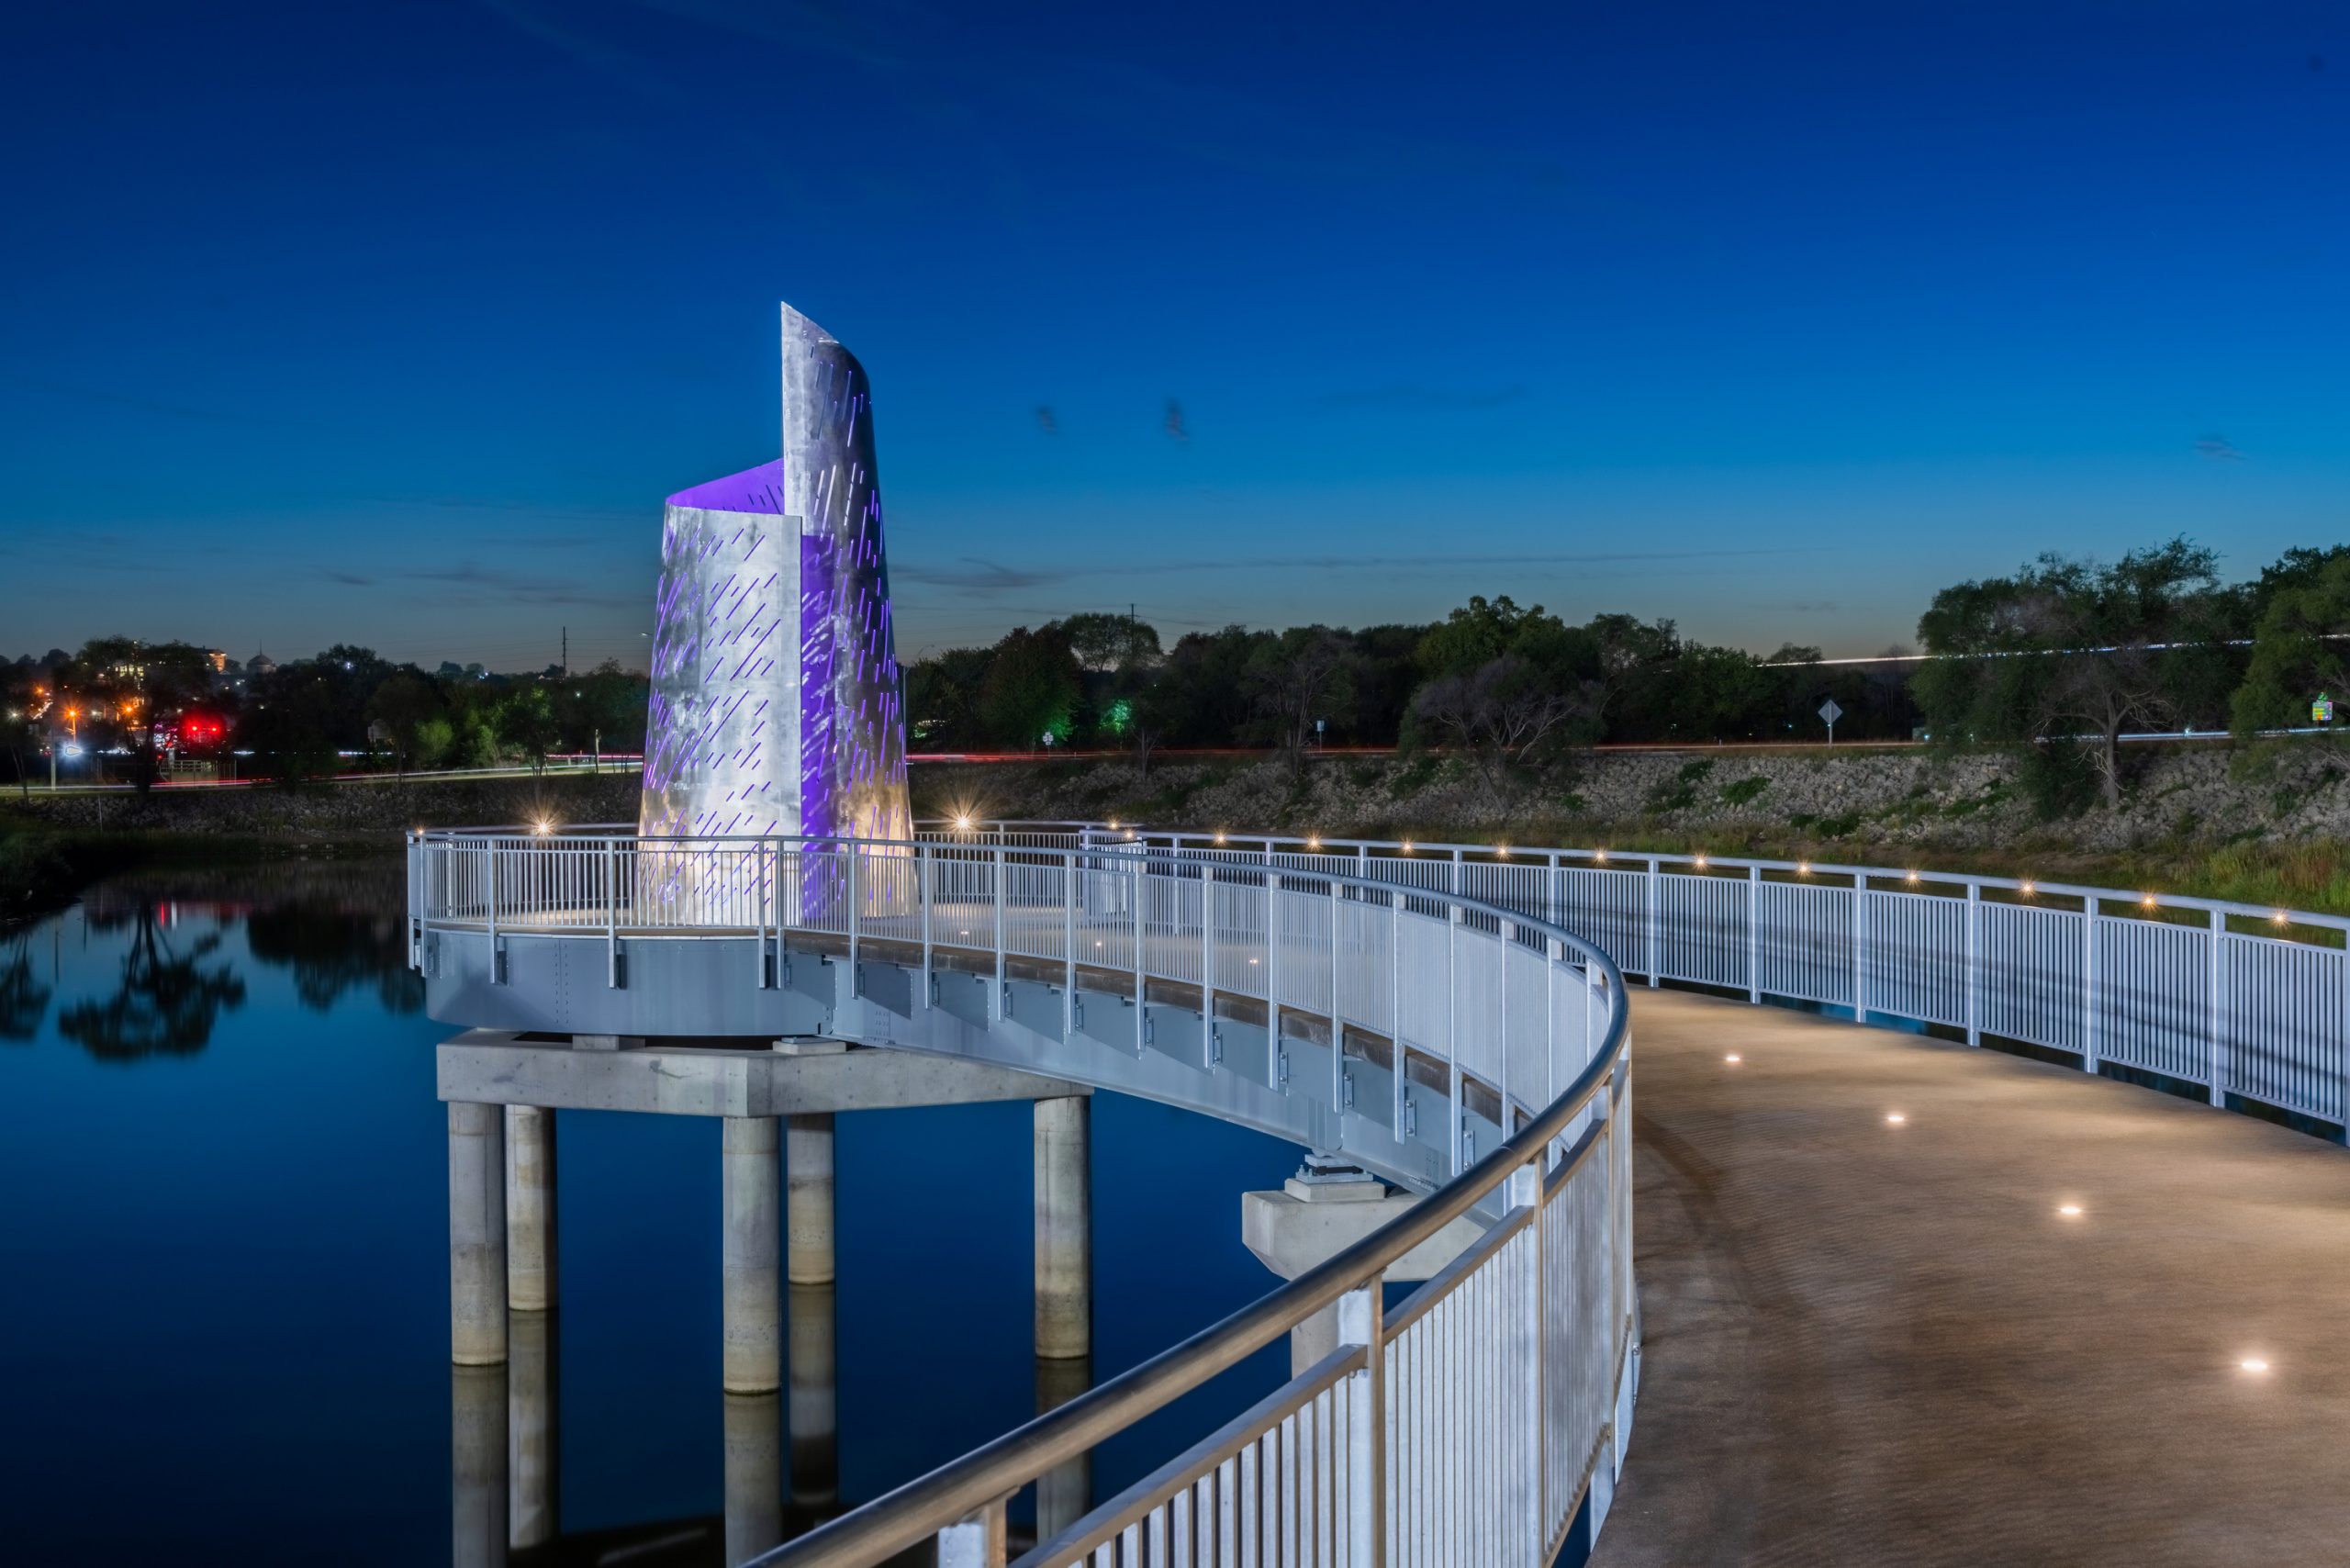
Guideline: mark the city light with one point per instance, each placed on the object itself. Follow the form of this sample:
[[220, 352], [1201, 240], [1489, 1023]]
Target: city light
[[2070, 1211], [2254, 1364], [1732, 1058], [1895, 1118]]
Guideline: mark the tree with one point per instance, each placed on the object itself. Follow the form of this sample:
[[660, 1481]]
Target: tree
[[1032, 689], [404, 705], [127, 687], [1296, 677], [526, 721], [1504, 714], [2069, 646], [2298, 651], [1105, 643]]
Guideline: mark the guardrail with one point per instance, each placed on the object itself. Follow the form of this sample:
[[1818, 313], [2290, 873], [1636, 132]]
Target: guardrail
[[1471, 1424], [2248, 1004]]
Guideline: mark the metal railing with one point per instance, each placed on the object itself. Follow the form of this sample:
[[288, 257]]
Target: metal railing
[[2248, 1004], [1480, 1416]]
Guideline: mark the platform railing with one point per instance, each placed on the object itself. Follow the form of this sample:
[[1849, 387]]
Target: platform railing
[[2247, 1004], [1485, 1417]]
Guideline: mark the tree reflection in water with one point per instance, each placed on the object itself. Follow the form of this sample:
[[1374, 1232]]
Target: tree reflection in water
[[167, 1000], [334, 948], [24, 1000], [337, 928]]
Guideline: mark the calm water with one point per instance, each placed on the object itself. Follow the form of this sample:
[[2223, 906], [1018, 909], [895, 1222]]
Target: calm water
[[223, 1266]]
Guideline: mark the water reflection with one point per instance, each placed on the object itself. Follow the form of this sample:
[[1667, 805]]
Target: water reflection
[[337, 928], [24, 1000], [167, 1000]]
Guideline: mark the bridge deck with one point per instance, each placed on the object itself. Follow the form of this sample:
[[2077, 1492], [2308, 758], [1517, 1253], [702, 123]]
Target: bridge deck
[[1870, 1343]]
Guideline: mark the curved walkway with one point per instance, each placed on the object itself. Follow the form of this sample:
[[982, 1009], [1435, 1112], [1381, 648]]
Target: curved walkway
[[1871, 1343]]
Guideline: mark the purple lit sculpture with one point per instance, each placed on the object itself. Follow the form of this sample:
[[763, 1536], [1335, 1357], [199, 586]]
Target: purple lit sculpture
[[775, 705]]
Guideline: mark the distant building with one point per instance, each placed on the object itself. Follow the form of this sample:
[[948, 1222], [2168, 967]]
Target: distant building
[[260, 663]]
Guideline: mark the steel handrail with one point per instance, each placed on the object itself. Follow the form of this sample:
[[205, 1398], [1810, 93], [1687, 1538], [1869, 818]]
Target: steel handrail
[[920, 1508]]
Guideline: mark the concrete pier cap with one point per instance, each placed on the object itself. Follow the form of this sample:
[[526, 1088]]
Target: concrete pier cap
[[1326, 1208]]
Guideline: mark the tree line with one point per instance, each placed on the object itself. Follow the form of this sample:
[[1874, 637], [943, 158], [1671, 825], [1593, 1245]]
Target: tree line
[[309, 717], [1516, 686], [2065, 656]]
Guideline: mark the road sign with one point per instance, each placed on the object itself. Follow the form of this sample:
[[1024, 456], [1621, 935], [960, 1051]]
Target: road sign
[[1831, 712], [2322, 711]]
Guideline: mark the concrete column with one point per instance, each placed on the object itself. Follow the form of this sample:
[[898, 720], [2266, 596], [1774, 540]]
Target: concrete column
[[808, 1200], [754, 1476], [477, 1479], [752, 1290], [815, 1403], [1064, 1229], [477, 1237], [530, 1209], [532, 1424], [1065, 1492]]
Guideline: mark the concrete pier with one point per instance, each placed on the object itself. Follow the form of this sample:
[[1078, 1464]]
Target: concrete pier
[[754, 1476], [808, 1200], [1324, 1209], [530, 1209], [752, 1265], [1065, 1492], [477, 1238], [1064, 1229], [477, 1473], [533, 1424], [815, 1412]]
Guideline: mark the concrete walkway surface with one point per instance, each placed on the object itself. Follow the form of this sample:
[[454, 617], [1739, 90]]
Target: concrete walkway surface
[[1878, 1342]]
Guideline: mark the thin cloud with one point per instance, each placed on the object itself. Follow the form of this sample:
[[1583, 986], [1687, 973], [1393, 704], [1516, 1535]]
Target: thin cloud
[[2218, 449], [475, 583], [351, 579], [1408, 396], [976, 576]]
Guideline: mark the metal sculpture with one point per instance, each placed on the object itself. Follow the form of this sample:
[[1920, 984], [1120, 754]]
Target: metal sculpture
[[775, 705]]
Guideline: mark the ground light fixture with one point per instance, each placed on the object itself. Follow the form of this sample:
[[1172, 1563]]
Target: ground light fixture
[[2254, 1364], [1732, 1058], [1895, 1118], [2069, 1211]]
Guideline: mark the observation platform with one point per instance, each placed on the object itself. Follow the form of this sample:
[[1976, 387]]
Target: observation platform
[[1875, 1343]]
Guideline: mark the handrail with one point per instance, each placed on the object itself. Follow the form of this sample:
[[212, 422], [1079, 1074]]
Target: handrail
[[921, 1507], [1590, 1354]]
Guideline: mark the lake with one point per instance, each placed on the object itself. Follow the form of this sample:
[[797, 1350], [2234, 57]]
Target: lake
[[224, 1307]]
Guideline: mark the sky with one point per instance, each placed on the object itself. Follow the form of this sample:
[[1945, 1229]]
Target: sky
[[393, 323]]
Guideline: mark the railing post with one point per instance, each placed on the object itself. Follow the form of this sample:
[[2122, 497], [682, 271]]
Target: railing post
[[979, 1540], [2088, 984], [1141, 933], [612, 912], [1338, 1027], [1754, 934], [1973, 963], [1452, 1025], [1509, 940], [497, 969], [995, 1008], [1207, 964], [1361, 1322], [759, 873], [1399, 1058], [1524, 1191], [1069, 945], [1859, 947], [855, 909], [2218, 1016], [926, 867], [1274, 1077], [1653, 887]]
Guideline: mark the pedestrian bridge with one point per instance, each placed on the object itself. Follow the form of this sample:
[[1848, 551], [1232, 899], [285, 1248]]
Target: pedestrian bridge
[[1455, 1019]]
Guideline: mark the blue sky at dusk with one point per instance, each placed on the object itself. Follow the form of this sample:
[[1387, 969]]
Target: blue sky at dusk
[[393, 323]]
